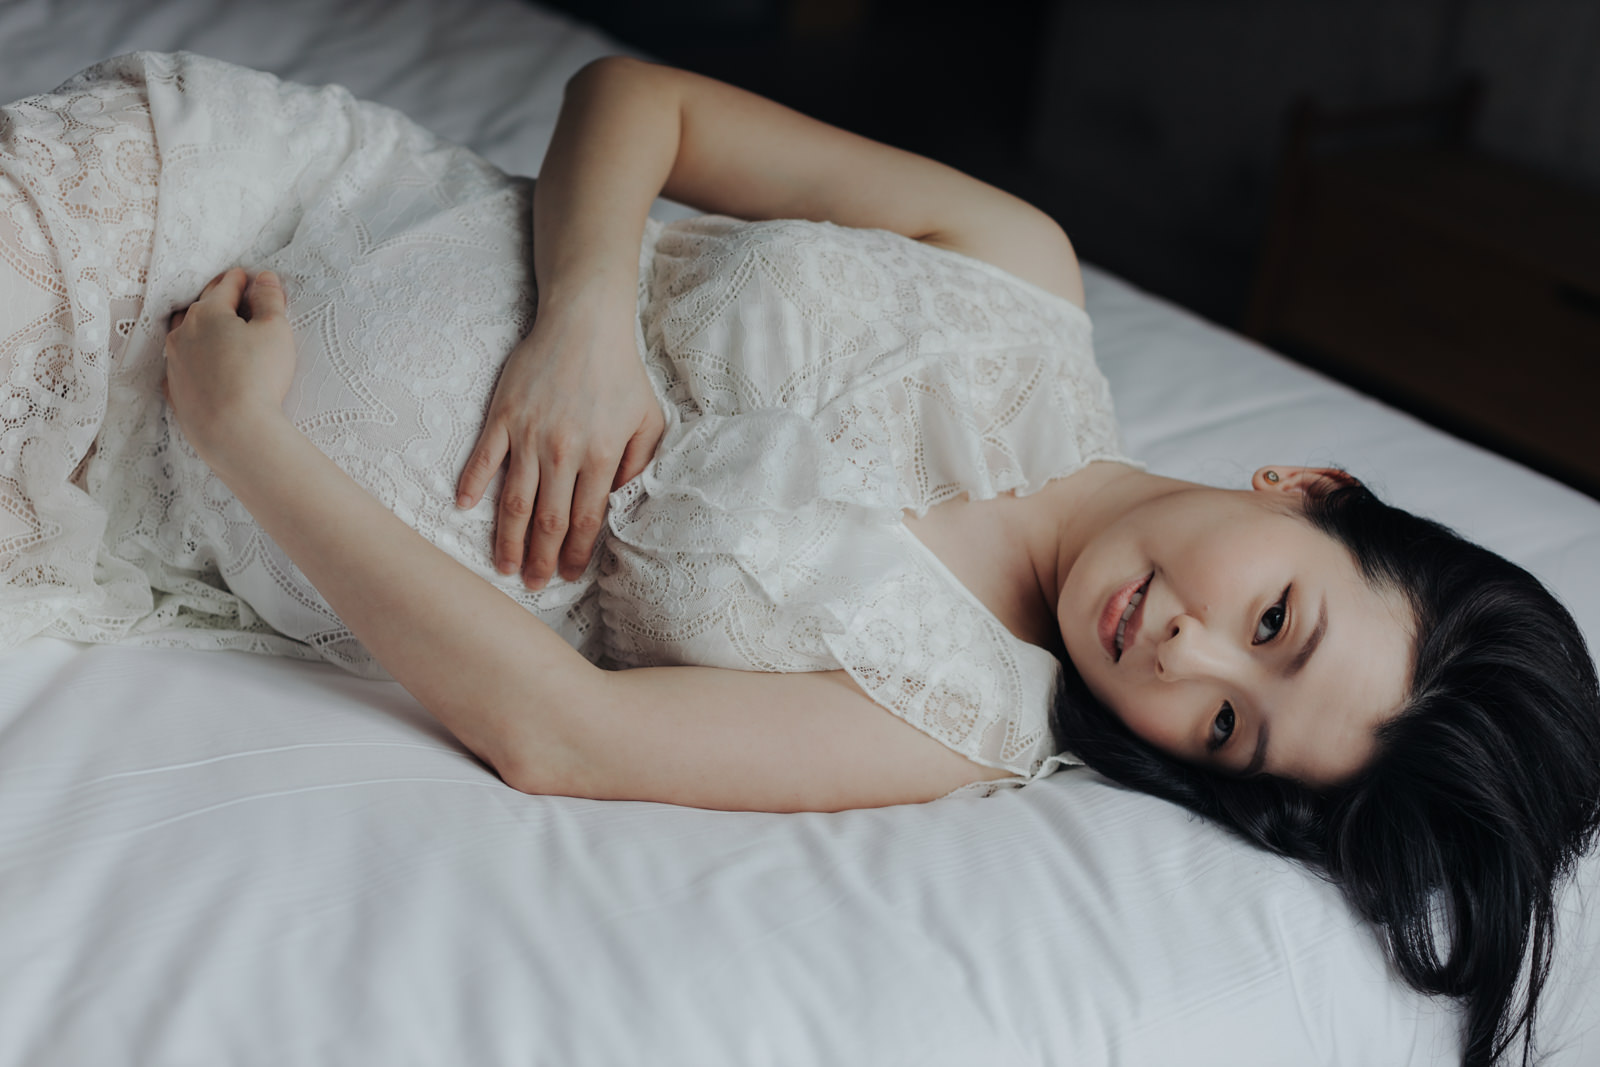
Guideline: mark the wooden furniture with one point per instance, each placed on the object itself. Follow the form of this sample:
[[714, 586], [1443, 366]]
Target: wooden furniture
[[1458, 286]]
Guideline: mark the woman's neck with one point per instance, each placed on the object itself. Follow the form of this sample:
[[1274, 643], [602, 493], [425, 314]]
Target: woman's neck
[[1052, 526]]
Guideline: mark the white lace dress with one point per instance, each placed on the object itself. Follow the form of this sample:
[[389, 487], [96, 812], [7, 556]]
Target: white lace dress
[[817, 381]]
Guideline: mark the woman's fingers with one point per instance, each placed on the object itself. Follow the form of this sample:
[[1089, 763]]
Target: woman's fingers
[[583, 525], [558, 472], [486, 458], [265, 297], [571, 418], [549, 515], [213, 283], [515, 508], [226, 289], [262, 295], [641, 449]]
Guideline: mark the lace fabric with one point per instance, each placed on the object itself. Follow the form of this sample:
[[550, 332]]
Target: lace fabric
[[818, 382]]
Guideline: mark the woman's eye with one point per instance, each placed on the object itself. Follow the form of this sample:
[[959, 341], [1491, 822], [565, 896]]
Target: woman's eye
[[1272, 620], [1221, 727]]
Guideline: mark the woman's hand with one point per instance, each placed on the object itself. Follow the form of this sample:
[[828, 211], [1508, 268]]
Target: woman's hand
[[573, 417], [230, 359]]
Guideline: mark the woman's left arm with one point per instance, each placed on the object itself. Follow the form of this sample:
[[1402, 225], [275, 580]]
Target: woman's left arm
[[440, 630]]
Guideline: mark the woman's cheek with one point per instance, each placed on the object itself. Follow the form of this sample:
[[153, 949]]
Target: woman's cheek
[[1156, 718]]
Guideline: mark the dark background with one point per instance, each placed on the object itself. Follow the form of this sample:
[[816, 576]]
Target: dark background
[[1155, 132], [1150, 129], [959, 82]]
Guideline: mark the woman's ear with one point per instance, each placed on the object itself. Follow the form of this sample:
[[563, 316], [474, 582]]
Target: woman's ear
[[1301, 479]]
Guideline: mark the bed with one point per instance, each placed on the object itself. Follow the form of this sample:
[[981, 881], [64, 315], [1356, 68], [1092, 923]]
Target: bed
[[225, 858]]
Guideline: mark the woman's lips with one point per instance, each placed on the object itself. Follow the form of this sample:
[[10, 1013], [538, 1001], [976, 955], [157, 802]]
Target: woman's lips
[[1111, 617]]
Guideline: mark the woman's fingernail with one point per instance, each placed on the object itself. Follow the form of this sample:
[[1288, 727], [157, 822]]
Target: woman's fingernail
[[463, 500]]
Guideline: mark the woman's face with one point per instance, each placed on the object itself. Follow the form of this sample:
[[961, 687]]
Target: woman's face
[[1252, 643]]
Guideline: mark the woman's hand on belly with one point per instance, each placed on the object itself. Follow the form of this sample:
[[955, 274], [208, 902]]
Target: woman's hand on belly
[[230, 359], [573, 417]]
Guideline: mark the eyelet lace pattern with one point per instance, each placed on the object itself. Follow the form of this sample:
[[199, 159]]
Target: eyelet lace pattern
[[818, 381]]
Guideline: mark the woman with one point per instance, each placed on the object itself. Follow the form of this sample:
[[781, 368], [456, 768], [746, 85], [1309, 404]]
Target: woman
[[865, 496]]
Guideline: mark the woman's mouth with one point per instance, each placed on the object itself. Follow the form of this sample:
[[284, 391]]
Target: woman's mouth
[[1119, 622]]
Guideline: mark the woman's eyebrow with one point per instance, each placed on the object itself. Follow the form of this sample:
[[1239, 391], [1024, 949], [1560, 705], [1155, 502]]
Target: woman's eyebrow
[[1300, 658], [1259, 758]]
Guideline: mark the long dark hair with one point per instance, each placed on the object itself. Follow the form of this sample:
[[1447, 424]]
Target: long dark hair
[[1483, 794]]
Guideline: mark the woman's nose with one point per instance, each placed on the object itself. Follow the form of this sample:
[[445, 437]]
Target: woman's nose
[[1188, 651]]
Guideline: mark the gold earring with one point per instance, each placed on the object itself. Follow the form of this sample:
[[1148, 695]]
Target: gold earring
[[1272, 476]]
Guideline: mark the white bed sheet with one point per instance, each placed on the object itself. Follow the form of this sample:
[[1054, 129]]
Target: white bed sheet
[[220, 858]]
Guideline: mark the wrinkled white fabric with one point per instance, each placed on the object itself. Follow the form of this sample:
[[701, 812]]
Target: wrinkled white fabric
[[818, 382]]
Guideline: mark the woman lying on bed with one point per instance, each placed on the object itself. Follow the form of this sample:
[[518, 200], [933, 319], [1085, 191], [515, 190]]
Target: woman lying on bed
[[793, 474]]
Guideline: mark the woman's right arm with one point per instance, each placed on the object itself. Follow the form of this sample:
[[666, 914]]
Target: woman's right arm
[[573, 415], [639, 129]]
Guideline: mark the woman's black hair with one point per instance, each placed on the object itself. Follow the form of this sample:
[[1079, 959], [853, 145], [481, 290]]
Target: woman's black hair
[[1484, 790]]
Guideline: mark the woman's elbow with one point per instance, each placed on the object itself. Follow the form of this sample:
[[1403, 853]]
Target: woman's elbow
[[532, 775], [541, 767], [521, 778], [605, 69]]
